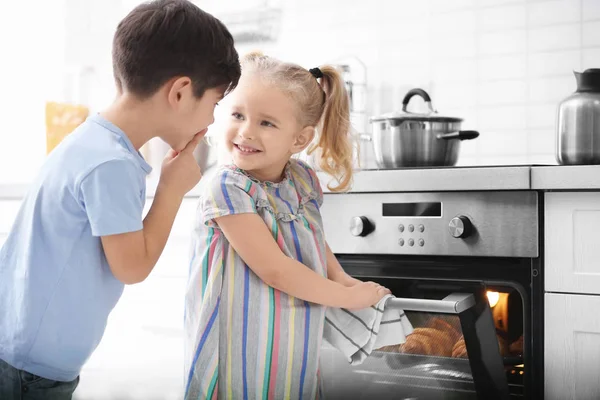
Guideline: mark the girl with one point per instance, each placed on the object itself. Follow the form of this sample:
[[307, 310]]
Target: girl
[[261, 271]]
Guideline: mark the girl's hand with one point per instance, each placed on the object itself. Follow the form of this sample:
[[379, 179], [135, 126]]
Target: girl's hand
[[366, 294], [349, 281]]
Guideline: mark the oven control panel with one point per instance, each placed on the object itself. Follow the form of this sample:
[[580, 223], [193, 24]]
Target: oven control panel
[[498, 224], [460, 227], [361, 226]]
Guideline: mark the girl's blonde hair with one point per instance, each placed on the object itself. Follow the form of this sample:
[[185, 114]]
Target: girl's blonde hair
[[324, 106]]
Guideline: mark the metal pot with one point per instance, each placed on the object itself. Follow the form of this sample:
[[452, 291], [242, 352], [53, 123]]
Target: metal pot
[[417, 140], [578, 131]]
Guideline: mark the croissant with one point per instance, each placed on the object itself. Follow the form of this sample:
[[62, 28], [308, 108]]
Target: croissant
[[417, 344], [440, 324], [460, 350], [428, 341], [390, 349]]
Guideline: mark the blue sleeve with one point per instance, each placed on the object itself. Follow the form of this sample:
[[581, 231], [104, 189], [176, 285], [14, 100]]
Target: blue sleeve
[[112, 194]]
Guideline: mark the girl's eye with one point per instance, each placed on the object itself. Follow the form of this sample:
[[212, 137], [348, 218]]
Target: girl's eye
[[237, 115], [268, 124]]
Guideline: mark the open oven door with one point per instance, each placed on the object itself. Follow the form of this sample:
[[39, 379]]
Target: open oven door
[[463, 361]]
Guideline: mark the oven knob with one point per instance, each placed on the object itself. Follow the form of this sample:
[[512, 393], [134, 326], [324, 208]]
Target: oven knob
[[361, 226], [460, 227]]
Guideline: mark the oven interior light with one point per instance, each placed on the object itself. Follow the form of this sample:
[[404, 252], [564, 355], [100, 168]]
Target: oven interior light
[[493, 298]]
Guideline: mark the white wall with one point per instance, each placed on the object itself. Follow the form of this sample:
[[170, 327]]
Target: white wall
[[502, 64], [32, 43]]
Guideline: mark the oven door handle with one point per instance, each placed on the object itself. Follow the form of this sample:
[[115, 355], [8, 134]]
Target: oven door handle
[[454, 303]]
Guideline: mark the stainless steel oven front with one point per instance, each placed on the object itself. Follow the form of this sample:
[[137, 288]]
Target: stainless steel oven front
[[466, 269]]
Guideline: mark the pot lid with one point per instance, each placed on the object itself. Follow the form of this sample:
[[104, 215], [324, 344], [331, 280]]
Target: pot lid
[[404, 115], [408, 116]]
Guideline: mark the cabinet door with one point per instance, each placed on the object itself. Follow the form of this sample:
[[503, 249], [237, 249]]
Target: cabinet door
[[174, 261], [141, 353], [8, 213], [572, 347], [572, 242]]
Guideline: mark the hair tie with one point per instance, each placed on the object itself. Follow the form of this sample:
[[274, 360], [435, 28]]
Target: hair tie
[[316, 72]]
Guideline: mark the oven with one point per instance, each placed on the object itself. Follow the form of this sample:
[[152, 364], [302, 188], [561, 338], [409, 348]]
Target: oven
[[466, 269]]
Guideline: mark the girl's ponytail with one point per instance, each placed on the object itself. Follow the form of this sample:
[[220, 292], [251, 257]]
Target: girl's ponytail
[[334, 130]]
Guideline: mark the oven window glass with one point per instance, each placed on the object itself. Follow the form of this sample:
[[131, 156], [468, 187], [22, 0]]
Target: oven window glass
[[433, 362]]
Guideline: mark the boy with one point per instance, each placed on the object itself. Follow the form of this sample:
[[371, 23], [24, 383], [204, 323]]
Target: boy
[[79, 236]]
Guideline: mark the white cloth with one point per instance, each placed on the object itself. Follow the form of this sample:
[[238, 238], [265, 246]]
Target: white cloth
[[357, 333]]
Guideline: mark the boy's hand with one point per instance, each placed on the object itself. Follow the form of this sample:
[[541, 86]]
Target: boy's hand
[[180, 171]]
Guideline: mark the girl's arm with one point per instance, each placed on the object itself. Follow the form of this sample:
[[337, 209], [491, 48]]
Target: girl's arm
[[336, 273], [253, 241]]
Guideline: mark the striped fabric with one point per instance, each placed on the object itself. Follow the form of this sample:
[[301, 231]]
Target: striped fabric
[[357, 333], [244, 339]]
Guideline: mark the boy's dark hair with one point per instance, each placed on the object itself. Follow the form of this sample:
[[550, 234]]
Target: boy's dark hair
[[163, 39]]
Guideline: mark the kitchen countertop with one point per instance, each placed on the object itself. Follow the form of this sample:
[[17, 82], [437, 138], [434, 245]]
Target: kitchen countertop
[[13, 191], [566, 177], [477, 178], [152, 184], [16, 191], [440, 179], [523, 177]]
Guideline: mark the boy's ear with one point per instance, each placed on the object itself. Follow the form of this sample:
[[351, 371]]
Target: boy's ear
[[303, 139], [178, 89]]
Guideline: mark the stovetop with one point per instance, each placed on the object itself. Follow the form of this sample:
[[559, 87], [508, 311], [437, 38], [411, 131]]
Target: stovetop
[[439, 179], [497, 177], [461, 167]]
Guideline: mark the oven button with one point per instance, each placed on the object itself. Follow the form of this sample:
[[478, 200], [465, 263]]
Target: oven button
[[361, 226], [411, 228], [421, 242], [421, 228], [401, 228], [401, 242], [460, 227], [411, 242]]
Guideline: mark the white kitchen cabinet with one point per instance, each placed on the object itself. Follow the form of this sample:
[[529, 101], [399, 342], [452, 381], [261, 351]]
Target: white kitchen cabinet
[[141, 353], [185, 218], [572, 347], [8, 213], [572, 242], [175, 258]]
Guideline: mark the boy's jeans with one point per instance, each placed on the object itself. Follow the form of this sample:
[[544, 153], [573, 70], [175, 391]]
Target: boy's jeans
[[21, 385]]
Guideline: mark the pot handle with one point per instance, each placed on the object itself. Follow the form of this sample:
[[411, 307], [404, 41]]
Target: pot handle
[[365, 138], [460, 135], [417, 92]]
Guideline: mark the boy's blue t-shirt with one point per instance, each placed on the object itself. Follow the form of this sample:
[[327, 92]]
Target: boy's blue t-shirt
[[56, 287]]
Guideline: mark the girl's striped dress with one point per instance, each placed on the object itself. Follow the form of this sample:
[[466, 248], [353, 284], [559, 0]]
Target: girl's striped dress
[[244, 339]]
